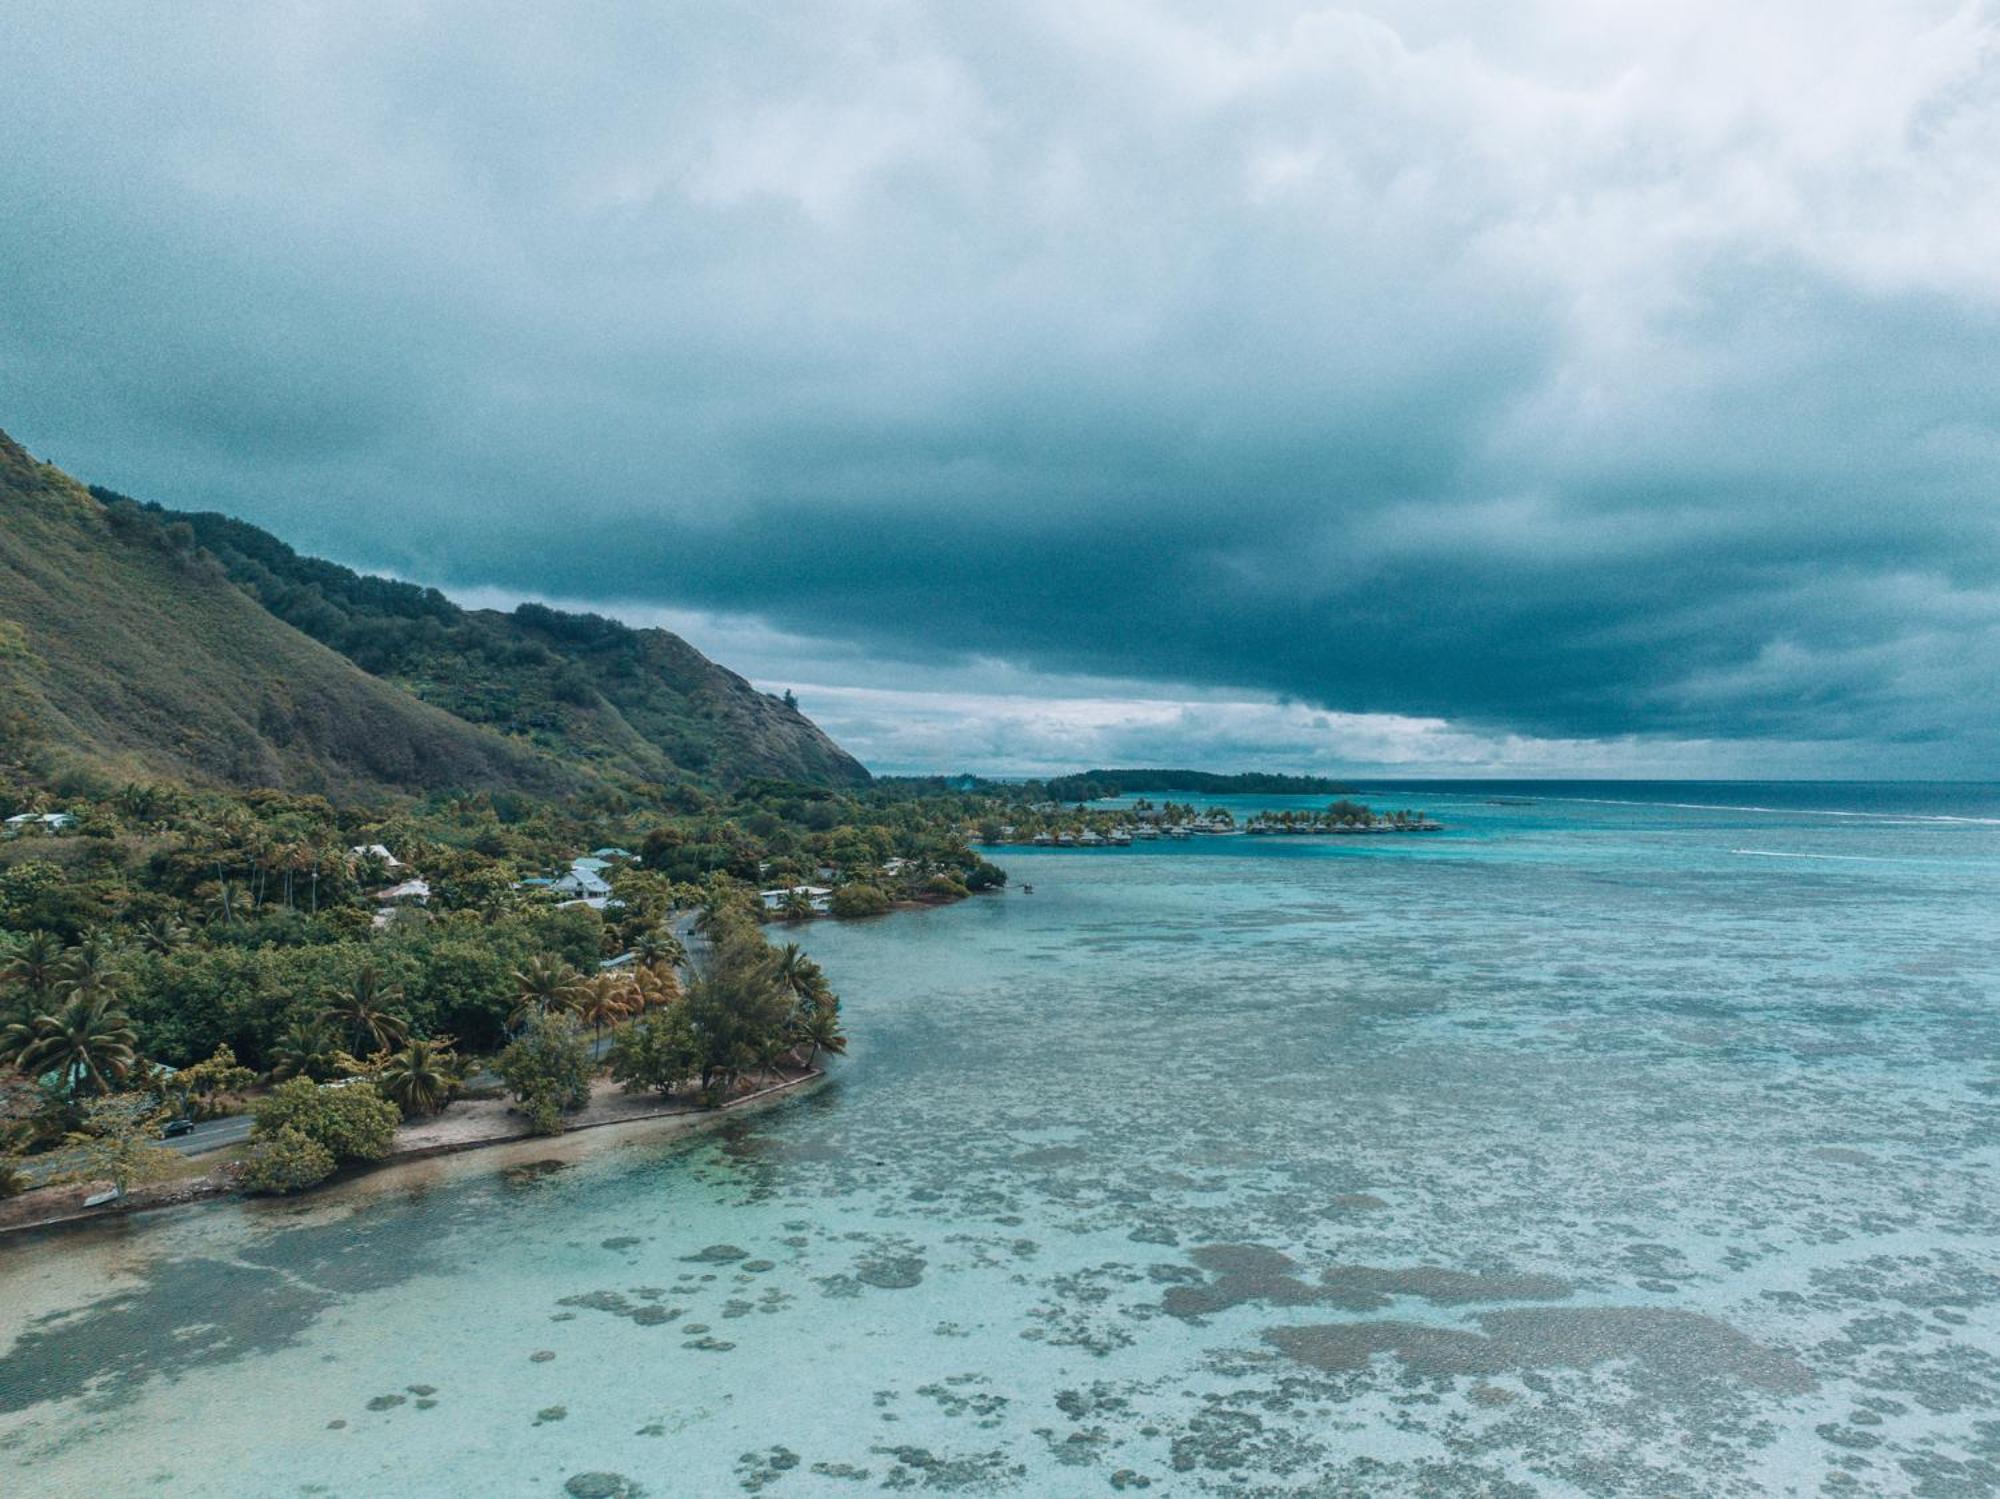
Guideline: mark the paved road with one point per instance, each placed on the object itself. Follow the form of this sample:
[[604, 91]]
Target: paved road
[[212, 1134]]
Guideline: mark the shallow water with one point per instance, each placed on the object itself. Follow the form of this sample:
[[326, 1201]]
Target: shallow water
[[1595, 1146]]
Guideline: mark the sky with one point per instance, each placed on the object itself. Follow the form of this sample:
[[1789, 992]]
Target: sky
[[1549, 388]]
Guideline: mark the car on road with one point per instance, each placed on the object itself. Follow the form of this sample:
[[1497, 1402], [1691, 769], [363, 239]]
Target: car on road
[[175, 1128]]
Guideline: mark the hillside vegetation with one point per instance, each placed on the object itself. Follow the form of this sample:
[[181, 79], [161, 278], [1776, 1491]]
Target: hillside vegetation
[[125, 650], [639, 703]]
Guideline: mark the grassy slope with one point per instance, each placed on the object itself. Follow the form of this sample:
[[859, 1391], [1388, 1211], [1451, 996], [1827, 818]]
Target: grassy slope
[[120, 652], [643, 703]]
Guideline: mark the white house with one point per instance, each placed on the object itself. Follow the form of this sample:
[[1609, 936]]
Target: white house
[[774, 900], [416, 892], [582, 883], [375, 851], [55, 822]]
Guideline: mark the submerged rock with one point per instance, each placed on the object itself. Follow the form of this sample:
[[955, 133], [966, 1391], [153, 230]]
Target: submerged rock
[[601, 1486], [716, 1254]]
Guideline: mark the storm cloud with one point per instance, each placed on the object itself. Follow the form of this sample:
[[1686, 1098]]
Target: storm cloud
[[1545, 370]]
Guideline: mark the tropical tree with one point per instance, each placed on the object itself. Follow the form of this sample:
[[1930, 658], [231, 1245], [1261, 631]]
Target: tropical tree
[[421, 1077], [88, 1040], [307, 1048], [603, 1000], [92, 970], [548, 1070], [654, 1053], [818, 1029], [546, 986], [360, 1010], [796, 906], [118, 1142], [801, 977], [164, 934], [656, 946], [654, 986], [32, 968], [190, 1092]]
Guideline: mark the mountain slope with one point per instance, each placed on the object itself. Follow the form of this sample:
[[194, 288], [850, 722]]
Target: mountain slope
[[642, 703], [126, 649]]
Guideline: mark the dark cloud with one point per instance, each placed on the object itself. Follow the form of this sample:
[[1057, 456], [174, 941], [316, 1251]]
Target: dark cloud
[[1563, 379]]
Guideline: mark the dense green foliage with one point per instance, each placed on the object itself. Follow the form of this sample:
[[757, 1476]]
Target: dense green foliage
[[286, 1160], [351, 1121], [548, 1070], [859, 900]]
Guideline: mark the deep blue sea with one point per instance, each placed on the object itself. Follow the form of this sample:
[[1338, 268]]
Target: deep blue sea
[[1623, 1139]]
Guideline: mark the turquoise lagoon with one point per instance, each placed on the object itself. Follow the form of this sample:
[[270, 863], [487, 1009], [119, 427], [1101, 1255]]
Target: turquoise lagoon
[[1628, 1140]]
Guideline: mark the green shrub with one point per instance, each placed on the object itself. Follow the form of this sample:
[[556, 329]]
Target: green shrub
[[352, 1122], [655, 1052], [859, 900], [548, 1071], [288, 1160]]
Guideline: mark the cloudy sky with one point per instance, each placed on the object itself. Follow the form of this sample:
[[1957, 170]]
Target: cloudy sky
[[1547, 387]]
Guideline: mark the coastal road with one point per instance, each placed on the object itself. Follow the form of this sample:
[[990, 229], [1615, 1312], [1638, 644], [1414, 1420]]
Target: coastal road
[[212, 1134]]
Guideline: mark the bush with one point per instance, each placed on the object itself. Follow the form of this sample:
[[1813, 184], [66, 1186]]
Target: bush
[[351, 1123], [859, 900], [548, 1071], [289, 1160], [945, 886], [985, 876], [655, 1052]]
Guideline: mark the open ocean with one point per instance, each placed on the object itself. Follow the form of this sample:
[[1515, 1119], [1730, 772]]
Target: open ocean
[[1624, 1139]]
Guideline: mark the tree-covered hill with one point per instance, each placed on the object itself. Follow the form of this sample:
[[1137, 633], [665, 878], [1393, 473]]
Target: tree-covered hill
[[125, 649], [641, 703]]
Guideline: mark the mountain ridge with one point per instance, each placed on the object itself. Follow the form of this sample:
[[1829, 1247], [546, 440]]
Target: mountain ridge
[[132, 646]]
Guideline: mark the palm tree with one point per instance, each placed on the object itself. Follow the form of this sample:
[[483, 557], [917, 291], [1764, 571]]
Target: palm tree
[[359, 1010], [33, 966], [603, 1000], [818, 1029], [796, 906], [546, 985], [163, 934], [421, 1076], [654, 986], [659, 946], [89, 1038], [306, 1048], [225, 903], [801, 977], [16, 1038], [91, 970]]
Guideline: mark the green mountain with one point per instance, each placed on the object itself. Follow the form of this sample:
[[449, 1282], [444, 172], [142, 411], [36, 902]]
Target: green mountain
[[638, 703], [127, 650], [143, 643]]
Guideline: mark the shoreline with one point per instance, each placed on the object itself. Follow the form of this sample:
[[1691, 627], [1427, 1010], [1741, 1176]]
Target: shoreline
[[484, 1124]]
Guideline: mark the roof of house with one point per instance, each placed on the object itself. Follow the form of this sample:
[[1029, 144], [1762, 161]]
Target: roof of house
[[417, 889]]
